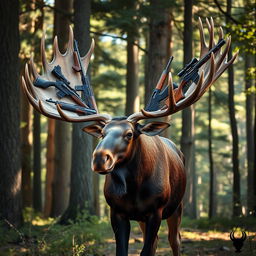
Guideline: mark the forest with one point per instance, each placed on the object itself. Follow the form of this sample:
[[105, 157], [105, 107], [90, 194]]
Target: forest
[[51, 203]]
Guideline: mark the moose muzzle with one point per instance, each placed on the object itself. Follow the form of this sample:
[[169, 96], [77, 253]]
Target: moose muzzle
[[103, 161]]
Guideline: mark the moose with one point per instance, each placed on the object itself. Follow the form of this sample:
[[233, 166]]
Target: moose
[[145, 176]]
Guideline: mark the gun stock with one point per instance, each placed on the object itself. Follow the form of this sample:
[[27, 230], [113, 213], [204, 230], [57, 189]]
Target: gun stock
[[63, 89], [85, 87], [190, 71], [158, 94]]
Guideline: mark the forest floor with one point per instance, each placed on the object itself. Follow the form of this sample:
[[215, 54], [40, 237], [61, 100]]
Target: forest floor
[[95, 238], [195, 242]]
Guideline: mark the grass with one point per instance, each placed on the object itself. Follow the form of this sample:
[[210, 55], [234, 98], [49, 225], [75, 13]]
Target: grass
[[91, 236]]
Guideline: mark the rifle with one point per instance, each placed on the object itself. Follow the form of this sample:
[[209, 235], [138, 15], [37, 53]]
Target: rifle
[[85, 87], [190, 71], [158, 94], [72, 107], [64, 90], [58, 74]]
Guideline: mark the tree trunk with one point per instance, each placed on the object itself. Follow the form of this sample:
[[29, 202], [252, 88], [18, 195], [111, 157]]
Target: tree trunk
[[37, 182], [254, 166], [81, 194], [212, 192], [96, 195], [61, 182], [49, 168], [132, 77], [250, 136], [26, 150], [37, 23], [159, 45], [188, 134], [10, 182], [237, 210]]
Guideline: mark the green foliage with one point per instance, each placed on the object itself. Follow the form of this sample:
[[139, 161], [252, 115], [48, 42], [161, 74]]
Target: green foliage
[[108, 71], [40, 236], [220, 224]]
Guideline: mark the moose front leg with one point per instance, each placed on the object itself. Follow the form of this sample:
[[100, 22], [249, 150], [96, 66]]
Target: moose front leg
[[152, 226], [121, 228]]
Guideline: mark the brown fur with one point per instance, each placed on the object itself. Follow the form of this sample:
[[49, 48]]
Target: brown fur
[[146, 185]]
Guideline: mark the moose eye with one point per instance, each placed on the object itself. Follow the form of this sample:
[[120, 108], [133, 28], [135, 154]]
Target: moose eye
[[129, 135]]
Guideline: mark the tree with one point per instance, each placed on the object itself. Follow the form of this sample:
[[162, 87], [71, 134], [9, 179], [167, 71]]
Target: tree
[[187, 138], [132, 70], [237, 210], [159, 43], [26, 121], [37, 182], [61, 181], [212, 192], [250, 135], [10, 182], [37, 179], [26, 150], [81, 193], [49, 167]]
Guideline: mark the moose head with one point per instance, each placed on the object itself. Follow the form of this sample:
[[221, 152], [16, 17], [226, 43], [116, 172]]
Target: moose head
[[145, 178]]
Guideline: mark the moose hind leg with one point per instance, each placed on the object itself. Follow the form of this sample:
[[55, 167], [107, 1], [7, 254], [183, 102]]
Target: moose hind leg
[[174, 233]]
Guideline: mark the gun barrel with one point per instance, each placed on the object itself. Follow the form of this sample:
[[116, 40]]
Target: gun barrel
[[208, 55], [187, 67], [85, 87], [71, 107], [169, 64], [192, 73]]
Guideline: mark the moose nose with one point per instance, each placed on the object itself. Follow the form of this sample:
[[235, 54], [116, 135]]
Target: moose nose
[[103, 162]]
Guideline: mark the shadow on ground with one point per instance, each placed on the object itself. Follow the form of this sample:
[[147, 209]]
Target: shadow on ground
[[195, 242]]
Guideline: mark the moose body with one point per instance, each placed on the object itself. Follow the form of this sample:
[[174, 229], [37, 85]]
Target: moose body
[[149, 181], [145, 176], [145, 180]]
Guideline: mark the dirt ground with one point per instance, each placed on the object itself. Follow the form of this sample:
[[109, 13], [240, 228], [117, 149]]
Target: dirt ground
[[194, 243]]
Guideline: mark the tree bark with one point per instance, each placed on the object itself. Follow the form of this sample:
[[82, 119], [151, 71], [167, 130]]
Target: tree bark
[[254, 166], [159, 45], [26, 150], [10, 166], [37, 182], [96, 195], [159, 49], [81, 194], [237, 210], [132, 77], [61, 182], [188, 134], [212, 192], [250, 136], [49, 168], [36, 24]]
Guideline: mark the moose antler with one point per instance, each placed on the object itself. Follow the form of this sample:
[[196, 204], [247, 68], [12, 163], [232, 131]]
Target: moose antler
[[208, 73], [41, 89]]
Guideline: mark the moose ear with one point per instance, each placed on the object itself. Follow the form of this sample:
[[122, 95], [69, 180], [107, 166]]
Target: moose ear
[[94, 129], [154, 128]]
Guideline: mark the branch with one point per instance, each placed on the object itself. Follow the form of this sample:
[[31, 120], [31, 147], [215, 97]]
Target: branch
[[70, 15], [118, 37], [225, 13], [41, 6]]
